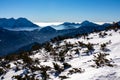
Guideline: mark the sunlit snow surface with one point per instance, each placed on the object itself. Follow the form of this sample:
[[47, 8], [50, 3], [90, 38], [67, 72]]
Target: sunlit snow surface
[[84, 62]]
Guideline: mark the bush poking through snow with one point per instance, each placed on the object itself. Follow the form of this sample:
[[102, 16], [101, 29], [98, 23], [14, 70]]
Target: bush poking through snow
[[90, 48], [58, 69], [114, 26], [44, 70], [102, 35], [1, 71], [48, 47], [66, 65], [34, 68], [63, 77], [36, 46], [26, 77], [76, 70], [101, 60], [18, 77], [27, 59], [103, 46], [62, 56]]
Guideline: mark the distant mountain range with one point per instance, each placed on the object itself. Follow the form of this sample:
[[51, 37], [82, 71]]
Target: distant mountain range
[[68, 25], [14, 33], [47, 29], [17, 24]]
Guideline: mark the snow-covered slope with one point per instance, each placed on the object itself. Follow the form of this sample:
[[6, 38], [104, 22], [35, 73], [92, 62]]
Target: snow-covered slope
[[103, 73], [48, 62]]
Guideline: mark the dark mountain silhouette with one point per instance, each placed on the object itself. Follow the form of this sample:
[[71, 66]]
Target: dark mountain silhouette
[[12, 41], [67, 25], [17, 24], [48, 29], [88, 23]]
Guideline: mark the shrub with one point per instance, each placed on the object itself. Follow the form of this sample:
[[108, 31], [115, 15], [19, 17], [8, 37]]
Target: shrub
[[44, 70], [25, 77], [81, 44], [76, 70], [7, 66], [101, 60], [58, 69], [66, 65], [36, 46], [48, 47], [103, 46], [90, 48], [114, 26], [102, 35], [27, 59], [16, 69], [62, 56], [34, 68], [18, 77], [63, 77], [1, 71]]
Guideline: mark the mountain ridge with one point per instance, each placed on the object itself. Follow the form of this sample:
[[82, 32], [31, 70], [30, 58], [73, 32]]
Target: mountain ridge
[[17, 24], [13, 40]]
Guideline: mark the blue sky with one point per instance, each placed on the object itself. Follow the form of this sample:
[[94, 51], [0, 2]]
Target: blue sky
[[62, 10]]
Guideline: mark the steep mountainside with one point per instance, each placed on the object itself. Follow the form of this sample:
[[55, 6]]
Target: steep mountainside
[[12, 40], [93, 56]]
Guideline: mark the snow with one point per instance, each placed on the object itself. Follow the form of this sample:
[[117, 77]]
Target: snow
[[83, 62], [9, 74], [104, 73]]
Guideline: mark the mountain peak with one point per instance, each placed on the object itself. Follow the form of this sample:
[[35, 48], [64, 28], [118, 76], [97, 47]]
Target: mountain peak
[[118, 22], [48, 29], [11, 18], [21, 18], [69, 23], [17, 24], [88, 23]]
